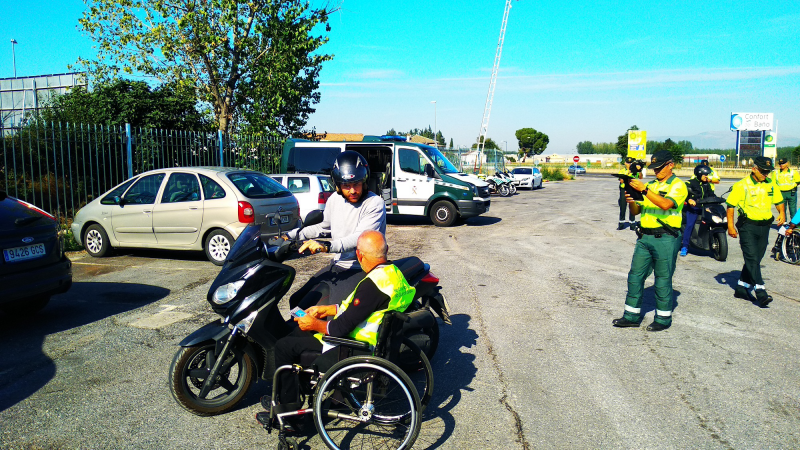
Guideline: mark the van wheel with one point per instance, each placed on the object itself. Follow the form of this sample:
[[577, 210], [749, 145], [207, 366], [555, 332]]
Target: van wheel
[[218, 244], [443, 213]]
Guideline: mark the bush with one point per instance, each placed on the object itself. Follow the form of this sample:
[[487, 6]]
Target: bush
[[69, 241], [553, 174]]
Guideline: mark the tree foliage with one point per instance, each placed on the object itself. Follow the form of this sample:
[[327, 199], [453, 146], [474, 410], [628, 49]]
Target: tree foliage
[[424, 132], [531, 141], [585, 148], [116, 103], [488, 144], [256, 63]]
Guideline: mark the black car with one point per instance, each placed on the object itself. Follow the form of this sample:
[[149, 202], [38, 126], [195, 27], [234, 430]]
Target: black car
[[33, 267]]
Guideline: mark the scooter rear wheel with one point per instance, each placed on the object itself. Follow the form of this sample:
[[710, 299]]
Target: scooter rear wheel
[[191, 366]]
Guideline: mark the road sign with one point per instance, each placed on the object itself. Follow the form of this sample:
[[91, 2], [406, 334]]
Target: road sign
[[721, 158], [576, 158]]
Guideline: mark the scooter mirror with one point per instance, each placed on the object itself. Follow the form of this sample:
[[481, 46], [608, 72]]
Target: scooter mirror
[[313, 218]]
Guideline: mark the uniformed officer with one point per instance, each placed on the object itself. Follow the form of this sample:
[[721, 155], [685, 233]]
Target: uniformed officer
[[623, 205], [754, 196], [787, 180], [658, 244]]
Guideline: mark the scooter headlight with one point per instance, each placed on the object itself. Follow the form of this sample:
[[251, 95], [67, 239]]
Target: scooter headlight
[[227, 292], [247, 322], [716, 219]]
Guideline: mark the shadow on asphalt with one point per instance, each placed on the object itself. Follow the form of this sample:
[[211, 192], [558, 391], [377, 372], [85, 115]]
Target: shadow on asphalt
[[185, 255], [729, 278], [478, 221], [649, 299], [27, 368]]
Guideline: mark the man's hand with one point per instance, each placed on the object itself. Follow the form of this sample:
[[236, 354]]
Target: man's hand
[[692, 202], [732, 231], [629, 199], [781, 219], [312, 246], [637, 184], [309, 323], [321, 312]]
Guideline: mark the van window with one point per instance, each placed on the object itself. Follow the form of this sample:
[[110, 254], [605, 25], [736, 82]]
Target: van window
[[439, 159], [312, 159], [411, 161]]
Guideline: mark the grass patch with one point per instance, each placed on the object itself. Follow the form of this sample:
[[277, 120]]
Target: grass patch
[[69, 241], [553, 174]]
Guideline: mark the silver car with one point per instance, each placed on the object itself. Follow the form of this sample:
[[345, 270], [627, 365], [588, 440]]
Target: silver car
[[184, 208]]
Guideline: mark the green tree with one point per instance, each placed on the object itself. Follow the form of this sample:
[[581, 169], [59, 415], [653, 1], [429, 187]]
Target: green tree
[[391, 132], [169, 106], [256, 63], [796, 153], [451, 143], [622, 142], [585, 147], [686, 146], [531, 141], [489, 144]]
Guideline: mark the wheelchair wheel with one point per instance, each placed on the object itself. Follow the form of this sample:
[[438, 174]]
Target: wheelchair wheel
[[366, 402], [790, 249]]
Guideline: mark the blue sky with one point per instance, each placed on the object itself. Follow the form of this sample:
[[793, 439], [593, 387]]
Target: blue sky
[[581, 70]]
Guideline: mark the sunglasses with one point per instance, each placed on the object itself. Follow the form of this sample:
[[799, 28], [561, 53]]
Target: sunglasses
[[764, 171]]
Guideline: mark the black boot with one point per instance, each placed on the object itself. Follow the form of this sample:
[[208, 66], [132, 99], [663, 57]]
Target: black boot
[[621, 226], [763, 298], [742, 292]]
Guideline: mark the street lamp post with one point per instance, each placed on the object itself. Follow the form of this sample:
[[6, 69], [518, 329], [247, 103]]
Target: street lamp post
[[435, 131], [14, 56]]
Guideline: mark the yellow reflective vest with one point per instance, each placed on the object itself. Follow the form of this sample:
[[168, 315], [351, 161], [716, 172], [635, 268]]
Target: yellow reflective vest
[[754, 199], [672, 189], [786, 180], [389, 280]]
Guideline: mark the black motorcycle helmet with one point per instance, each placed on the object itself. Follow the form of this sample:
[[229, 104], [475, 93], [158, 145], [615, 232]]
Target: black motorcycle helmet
[[349, 167], [701, 170]]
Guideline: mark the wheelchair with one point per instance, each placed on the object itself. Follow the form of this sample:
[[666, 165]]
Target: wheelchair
[[364, 399], [790, 248]]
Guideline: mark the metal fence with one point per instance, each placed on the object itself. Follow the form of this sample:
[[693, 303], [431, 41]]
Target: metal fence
[[470, 161], [62, 167]]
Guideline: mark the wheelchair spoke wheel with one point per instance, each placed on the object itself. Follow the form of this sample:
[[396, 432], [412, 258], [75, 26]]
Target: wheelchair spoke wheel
[[790, 249], [366, 402]]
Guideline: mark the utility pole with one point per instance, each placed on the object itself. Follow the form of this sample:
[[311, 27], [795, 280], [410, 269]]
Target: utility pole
[[435, 130], [14, 56], [490, 96]]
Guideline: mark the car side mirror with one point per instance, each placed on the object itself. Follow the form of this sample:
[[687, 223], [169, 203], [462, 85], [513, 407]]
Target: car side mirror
[[429, 172], [119, 201]]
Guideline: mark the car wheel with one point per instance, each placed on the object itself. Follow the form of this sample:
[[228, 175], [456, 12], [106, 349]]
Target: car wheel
[[443, 213], [218, 244], [95, 241], [26, 307]]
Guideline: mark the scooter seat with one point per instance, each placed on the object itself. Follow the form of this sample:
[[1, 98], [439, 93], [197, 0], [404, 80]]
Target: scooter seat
[[411, 267]]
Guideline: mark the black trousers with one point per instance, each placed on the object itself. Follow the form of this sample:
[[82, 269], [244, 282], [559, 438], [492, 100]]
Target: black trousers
[[623, 206], [287, 351], [753, 239], [331, 285]]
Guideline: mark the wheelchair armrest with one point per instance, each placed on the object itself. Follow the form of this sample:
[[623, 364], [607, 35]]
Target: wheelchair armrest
[[358, 345]]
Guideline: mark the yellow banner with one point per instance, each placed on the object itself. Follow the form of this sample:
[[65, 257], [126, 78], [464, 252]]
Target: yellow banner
[[637, 144]]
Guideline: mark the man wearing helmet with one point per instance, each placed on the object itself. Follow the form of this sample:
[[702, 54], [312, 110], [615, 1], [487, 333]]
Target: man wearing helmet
[[713, 178], [352, 210], [699, 187]]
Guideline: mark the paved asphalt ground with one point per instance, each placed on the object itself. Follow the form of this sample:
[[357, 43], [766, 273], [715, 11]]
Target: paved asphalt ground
[[531, 360]]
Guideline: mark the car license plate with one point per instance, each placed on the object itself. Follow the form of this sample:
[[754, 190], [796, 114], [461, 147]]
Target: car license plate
[[24, 253], [284, 219]]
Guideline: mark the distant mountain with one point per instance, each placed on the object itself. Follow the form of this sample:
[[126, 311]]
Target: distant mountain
[[721, 140]]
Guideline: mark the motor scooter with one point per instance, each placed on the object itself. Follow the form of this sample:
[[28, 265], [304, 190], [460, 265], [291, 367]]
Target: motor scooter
[[710, 232], [498, 185], [218, 363], [512, 183]]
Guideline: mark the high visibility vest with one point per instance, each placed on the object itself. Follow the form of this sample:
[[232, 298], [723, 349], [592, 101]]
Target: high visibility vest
[[754, 199], [786, 181], [672, 188], [389, 280]]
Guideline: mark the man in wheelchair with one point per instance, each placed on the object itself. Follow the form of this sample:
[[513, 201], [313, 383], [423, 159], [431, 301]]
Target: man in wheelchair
[[358, 317]]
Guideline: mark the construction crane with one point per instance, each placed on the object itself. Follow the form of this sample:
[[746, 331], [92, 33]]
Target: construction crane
[[490, 96]]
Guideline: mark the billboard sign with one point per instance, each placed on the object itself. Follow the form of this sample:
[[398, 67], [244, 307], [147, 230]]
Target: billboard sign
[[751, 121], [22, 96], [637, 144], [751, 144], [771, 144]]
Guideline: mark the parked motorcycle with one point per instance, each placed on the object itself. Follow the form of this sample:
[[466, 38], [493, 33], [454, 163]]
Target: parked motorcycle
[[499, 186], [218, 363], [710, 232], [512, 183]]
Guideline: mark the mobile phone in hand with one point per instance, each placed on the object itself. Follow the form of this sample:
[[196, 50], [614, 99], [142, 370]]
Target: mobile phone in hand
[[297, 312]]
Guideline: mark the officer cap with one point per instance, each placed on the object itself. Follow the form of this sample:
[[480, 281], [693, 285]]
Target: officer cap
[[629, 160], [763, 163], [782, 161], [660, 158]]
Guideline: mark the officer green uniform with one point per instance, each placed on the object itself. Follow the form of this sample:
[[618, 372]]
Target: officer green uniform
[[787, 181], [656, 249], [754, 200]]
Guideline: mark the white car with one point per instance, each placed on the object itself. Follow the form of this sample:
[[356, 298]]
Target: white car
[[528, 177], [184, 208], [310, 190]]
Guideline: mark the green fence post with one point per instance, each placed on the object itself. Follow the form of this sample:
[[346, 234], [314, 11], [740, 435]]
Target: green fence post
[[129, 149]]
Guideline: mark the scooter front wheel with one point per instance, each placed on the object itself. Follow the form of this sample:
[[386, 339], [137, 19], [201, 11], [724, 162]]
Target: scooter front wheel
[[191, 366], [719, 245]]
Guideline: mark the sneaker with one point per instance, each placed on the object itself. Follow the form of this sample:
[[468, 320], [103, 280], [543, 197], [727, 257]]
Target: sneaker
[[684, 251]]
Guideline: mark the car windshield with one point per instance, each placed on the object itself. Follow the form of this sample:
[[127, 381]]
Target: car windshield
[[258, 185], [443, 163], [536, 170], [521, 171]]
